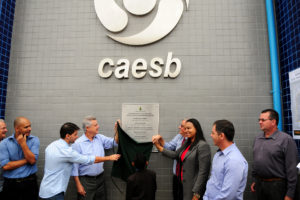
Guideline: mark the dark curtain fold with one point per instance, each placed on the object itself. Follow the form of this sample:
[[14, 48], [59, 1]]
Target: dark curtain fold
[[128, 148]]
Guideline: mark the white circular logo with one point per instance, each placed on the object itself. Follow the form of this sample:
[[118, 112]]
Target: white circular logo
[[115, 19]]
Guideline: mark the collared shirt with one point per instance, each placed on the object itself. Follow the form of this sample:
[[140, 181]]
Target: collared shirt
[[228, 176], [173, 145], [59, 157], [12, 151], [95, 147], [276, 157]]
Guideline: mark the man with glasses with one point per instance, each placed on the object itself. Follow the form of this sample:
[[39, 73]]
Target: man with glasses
[[274, 160]]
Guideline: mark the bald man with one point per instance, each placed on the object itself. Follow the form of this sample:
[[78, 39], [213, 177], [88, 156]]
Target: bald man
[[3, 131], [18, 157]]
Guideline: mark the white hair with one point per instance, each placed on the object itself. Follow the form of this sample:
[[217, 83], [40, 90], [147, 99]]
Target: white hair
[[87, 122]]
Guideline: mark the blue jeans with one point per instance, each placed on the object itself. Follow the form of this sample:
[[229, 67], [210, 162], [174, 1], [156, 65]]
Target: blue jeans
[[59, 196]]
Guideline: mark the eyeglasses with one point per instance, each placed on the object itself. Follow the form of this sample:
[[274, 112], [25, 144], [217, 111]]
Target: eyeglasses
[[263, 120]]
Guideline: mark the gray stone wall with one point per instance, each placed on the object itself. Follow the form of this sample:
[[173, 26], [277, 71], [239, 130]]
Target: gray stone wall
[[57, 46]]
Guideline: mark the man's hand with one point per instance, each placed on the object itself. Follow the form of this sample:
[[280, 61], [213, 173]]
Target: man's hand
[[21, 139], [80, 190], [116, 125], [114, 157], [253, 187], [287, 198], [116, 131], [29, 156]]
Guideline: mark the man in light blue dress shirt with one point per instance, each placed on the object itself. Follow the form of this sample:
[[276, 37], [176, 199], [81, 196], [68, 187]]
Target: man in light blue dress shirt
[[229, 168], [173, 145], [59, 158], [89, 179], [18, 157], [3, 131]]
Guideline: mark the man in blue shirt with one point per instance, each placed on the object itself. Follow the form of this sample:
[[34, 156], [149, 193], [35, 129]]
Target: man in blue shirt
[[229, 168], [18, 157], [173, 145], [89, 179], [3, 131], [59, 157]]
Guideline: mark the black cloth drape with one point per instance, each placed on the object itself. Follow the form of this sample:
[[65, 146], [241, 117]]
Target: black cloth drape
[[128, 148]]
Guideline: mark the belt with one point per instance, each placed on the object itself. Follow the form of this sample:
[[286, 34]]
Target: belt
[[87, 176], [19, 180], [270, 179]]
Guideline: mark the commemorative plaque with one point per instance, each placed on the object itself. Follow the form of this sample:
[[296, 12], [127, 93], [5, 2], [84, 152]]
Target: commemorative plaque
[[140, 121]]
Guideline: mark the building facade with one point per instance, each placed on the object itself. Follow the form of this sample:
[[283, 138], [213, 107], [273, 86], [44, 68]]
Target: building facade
[[60, 56]]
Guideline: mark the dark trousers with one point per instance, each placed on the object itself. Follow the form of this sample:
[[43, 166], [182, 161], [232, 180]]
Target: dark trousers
[[297, 195], [94, 187], [1, 195], [21, 189], [270, 190], [177, 188]]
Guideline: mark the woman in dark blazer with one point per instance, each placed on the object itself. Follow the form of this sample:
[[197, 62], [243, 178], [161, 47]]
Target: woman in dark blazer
[[194, 162]]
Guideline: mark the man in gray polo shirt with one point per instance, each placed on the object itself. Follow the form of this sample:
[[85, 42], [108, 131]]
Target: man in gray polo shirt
[[274, 160]]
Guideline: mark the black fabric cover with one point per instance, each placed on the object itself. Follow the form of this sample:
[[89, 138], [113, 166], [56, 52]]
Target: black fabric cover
[[128, 148]]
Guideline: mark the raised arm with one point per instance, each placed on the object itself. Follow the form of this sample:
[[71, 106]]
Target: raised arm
[[116, 131]]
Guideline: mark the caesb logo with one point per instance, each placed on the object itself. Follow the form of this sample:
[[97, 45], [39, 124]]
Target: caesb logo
[[115, 19]]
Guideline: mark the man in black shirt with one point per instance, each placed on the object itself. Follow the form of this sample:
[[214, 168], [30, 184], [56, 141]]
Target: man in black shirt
[[142, 184]]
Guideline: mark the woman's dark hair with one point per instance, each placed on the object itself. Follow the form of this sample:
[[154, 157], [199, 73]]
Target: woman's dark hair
[[199, 133]]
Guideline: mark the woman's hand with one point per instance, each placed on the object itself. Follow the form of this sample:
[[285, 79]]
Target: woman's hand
[[156, 142], [158, 138]]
